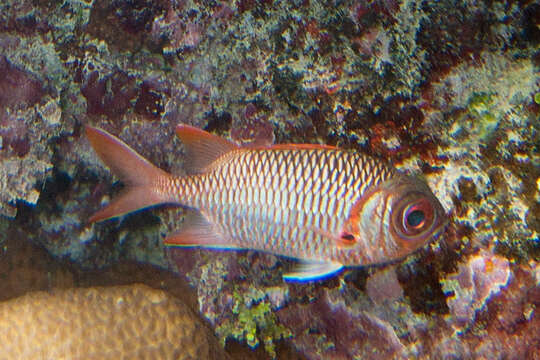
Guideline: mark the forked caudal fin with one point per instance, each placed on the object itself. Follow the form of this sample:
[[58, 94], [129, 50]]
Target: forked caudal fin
[[142, 179]]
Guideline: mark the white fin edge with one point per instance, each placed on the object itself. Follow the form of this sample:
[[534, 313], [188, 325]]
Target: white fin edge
[[312, 271]]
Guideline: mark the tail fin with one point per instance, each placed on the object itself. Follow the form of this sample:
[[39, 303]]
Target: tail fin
[[143, 180]]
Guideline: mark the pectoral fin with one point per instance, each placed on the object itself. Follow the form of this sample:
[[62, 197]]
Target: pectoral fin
[[197, 231], [312, 271]]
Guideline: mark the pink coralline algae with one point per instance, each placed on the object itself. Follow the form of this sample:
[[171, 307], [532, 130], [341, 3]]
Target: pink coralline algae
[[17, 88], [110, 95], [329, 329], [383, 286], [13, 132], [477, 280], [506, 327], [27, 115], [252, 127], [180, 32]]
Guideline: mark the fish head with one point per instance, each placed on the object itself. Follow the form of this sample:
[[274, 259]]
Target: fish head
[[392, 220]]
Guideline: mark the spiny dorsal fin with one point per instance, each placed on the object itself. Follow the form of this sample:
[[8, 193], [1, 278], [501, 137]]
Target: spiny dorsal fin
[[202, 148], [302, 147]]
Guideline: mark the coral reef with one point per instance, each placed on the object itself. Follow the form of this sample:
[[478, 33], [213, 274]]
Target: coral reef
[[27, 115], [455, 98]]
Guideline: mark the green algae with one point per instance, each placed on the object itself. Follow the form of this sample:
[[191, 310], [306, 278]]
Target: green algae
[[502, 131], [493, 139], [481, 107], [253, 321]]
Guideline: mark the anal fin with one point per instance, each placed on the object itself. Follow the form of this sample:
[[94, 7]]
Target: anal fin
[[312, 271]]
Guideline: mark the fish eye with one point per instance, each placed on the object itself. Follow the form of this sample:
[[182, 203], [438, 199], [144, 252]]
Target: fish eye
[[417, 217]]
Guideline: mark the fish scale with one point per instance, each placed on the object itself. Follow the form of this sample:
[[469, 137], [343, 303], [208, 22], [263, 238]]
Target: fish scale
[[270, 172], [328, 207]]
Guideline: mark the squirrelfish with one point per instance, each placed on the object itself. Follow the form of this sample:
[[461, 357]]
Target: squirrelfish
[[325, 206]]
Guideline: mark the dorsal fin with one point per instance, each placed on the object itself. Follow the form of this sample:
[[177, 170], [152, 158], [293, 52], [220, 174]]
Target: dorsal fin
[[263, 146], [301, 147], [202, 148]]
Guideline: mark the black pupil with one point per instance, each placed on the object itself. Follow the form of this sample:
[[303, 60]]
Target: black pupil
[[415, 218]]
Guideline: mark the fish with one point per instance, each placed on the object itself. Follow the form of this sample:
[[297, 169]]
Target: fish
[[327, 207]]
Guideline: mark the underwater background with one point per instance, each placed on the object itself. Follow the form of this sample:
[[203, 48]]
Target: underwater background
[[448, 89]]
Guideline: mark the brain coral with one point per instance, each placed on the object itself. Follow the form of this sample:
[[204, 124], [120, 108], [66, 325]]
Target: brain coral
[[132, 322]]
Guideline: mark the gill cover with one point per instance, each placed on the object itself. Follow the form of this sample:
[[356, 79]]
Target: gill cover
[[392, 219]]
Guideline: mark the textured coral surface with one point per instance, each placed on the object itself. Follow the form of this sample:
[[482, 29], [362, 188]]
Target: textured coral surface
[[32, 277], [130, 322], [449, 90]]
